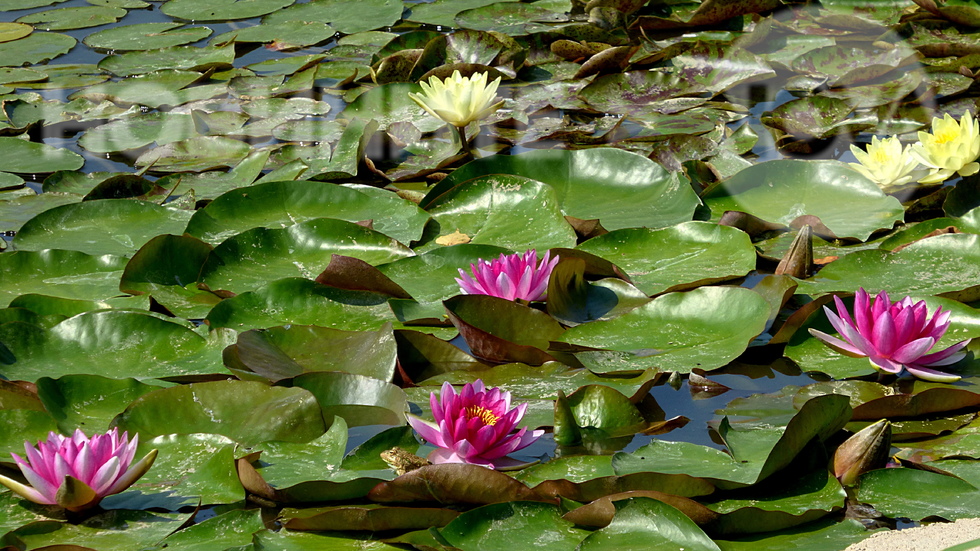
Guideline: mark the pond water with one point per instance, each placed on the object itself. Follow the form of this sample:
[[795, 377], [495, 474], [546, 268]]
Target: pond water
[[260, 255]]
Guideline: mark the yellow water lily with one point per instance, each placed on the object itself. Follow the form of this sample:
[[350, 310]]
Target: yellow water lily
[[951, 148], [459, 100], [886, 162]]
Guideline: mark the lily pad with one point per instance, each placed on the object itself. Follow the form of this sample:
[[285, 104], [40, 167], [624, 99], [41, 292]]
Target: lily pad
[[66, 274], [635, 190], [221, 10], [300, 301], [107, 226], [283, 204], [247, 412], [108, 342], [943, 265], [705, 328], [285, 352], [781, 191], [503, 210], [35, 48], [347, 16], [145, 36], [254, 257], [22, 156], [676, 258], [73, 18]]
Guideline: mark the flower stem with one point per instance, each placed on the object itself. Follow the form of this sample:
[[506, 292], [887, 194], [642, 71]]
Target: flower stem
[[464, 143]]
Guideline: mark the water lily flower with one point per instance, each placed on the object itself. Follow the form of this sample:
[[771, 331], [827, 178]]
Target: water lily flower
[[951, 148], [886, 163], [893, 336], [76, 472], [459, 100], [474, 426], [512, 276]]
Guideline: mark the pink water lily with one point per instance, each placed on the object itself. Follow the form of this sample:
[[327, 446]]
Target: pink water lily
[[893, 335], [76, 472], [512, 276], [474, 426]]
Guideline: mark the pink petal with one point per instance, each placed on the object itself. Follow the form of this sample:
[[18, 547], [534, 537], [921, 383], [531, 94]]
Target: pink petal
[[946, 356], [927, 374], [912, 351], [429, 432], [883, 335], [838, 345]]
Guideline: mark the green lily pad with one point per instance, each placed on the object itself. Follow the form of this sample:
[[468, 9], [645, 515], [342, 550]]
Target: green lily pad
[[359, 400], [676, 258], [767, 509], [120, 529], [503, 210], [539, 382], [247, 412], [635, 190], [285, 35], [17, 155], [31, 426], [943, 264], [285, 352], [430, 277], [174, 57], [496, 527], [73, 18], [299, 301], [65, 274], [708, 327], [221, 10], [195, 154], [227, 530], [88, 402], [139, 345], [755, 453], [918, 494], [14, 31], [650, 524], [781, 191], [35, 48], [515, 18], [254, 257], [15, 212], [145, 36], [388, 104], [444, 12], [815, 536], [283, 204], [636, 92], [347, 16], [109, 226], [189, 469]]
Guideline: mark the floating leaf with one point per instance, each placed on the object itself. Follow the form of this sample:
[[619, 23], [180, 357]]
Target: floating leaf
[[635, 190], [706, 330], [680, 257], [282, 204], [784, 190], [145, 36], [65, 274], [503, 210], [221, 10], [284, 352], [17, 155], [35, 48], [247, 412], [110, 226], [251, 258]]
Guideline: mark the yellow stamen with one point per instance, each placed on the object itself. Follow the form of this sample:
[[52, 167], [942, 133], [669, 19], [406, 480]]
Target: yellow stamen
[[483, 414]]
